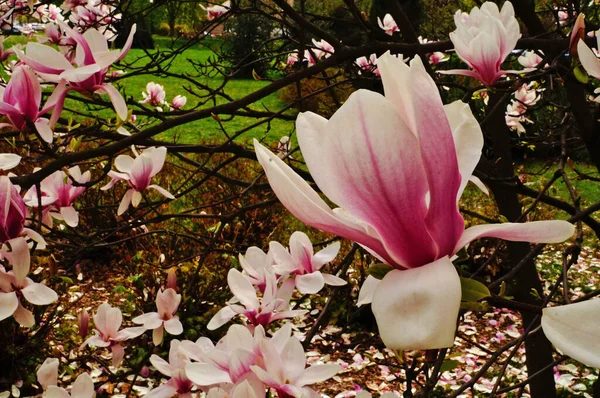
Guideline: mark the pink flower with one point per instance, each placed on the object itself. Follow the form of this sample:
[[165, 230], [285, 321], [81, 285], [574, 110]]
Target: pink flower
[[272, 306], [138, 172], [154, 95], [107, 321], [175, 369], [437, 57], [93, 60], [167, 303], [292, 58], [396, 166], [257, 266], [388, 24], [529, 59], [284, 370], [83, 323], [303, 264], [216, 11], [369, 64], [59, 194], [178, 102], [47, 376], [21, 101], [484, 40], [322, 49]]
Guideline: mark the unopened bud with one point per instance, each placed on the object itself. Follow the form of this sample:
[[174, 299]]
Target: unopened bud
[[172, 278], [83, 323], [145, 371]]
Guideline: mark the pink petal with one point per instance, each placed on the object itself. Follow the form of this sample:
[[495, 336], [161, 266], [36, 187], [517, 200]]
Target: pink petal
[[118, 353], [39, 294], [161, 365], [157, 335], [116, 98], [44, 59], [173, 326], [83, 387], [310, 283], [70, 215], [223, 316], [43, 128], [590, 63], [304, 203], [47, 374], [443, 220], [125, 202], [553, 231], [367, 290], [317, 374], [204, 374], [162, 191], [333, 280], [417, 309], [242, 289], [57, 392], [8, 304], [366, 160], [24, 317], [150, 320], [19, 257]]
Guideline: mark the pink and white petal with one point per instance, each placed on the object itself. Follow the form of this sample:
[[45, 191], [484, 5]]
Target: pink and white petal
[[151, 320], [19, 257], [163, 391], [417, 309], [173, 326], [590, 63], [366, 160], [333, 280], [287, 314], [44, 129], [47, 374], [204, 374], [223, 316], [325, 255], [129, 333], [158, 155], [128, 43], [124, 164], [116, 98], [96, 41], [293, 359], [444, 222], [265, 376], [575, 330], [461, 72], [162, 191], [36, 237], [479, 184], [23, 316], [242, 289], [118, 353], [95, 341], [70, 216], [367, 290], [78, 75], [83, 387], [44, 59], [553, 231], [157, 335], [310, 283], [39, 294], [317, 374], [161, 365], [304, 203], [125, 202], [136, 198], [56, 101], [56, 392], [9, 161], [468, 140], [284, 263], [9, 303]]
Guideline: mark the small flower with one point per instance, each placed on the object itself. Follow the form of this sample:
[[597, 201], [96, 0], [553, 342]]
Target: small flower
[[154, 95], [388, 24], [167, 302], [178, 102]]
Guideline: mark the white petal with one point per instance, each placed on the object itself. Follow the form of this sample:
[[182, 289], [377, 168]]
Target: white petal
[[367, 290], [575, 330], [417, 309], [9, 161]]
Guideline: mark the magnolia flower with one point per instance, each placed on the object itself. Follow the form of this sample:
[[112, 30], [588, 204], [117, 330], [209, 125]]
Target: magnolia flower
[[216, 11], [83, 323], [167, 302], [577, 33], [230, 361], [154, 95], [322, 49], [272, 306], [257, 267], [396, 166], [107, 322], [484, 40], [242, 390], [515, 116], [93, 60], [47, 376], [59, 194], [369, 64], [21, 100], [527, 94], [303, 264], [285, 369], [438, 57], [175, 369], [292, 58], [178, 102], [388, 24], [575, 330], [138, 172], [530, 59]]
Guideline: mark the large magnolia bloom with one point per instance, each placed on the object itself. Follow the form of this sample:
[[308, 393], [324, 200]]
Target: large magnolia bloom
[[396, 167], [483, 39]]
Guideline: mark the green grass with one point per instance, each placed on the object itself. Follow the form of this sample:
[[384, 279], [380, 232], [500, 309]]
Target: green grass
[[206, 129]]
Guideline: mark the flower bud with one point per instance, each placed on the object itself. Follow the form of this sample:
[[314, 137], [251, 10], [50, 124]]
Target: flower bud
[[145, 371], [83, 323], [178, 102], [172, 278], [12, 217]]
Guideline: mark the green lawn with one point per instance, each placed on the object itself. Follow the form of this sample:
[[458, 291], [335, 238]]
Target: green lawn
[[206, 129]]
